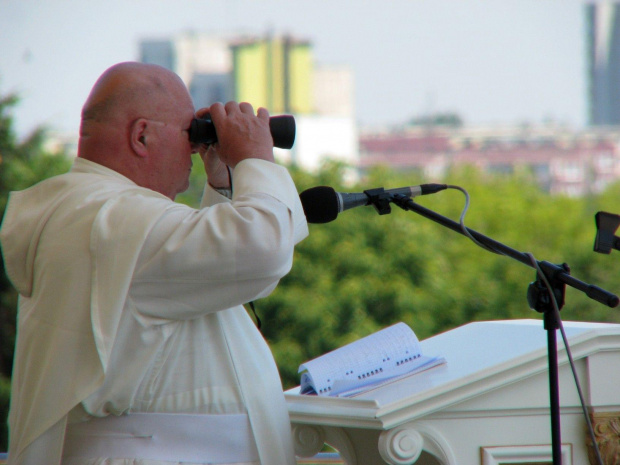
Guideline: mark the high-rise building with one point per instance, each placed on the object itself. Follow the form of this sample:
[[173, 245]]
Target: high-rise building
[[203, 62], [603, 22], [333, 90], [275, 72], [271, 72]]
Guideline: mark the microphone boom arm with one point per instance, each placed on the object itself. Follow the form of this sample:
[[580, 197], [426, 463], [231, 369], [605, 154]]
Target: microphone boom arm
[[558, 273]]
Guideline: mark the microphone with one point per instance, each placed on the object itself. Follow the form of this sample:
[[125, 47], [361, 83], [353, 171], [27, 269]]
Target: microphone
[[322, 203], [202, 131]]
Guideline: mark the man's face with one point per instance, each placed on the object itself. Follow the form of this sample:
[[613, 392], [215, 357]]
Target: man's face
[[173, 150]]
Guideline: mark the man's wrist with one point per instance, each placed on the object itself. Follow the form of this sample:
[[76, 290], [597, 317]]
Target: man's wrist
[[225, 191]]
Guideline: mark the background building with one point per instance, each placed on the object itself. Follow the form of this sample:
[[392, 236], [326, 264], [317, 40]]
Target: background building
[[279, 73], [203, 62], [603, 38], [562, 161], [275, 72]]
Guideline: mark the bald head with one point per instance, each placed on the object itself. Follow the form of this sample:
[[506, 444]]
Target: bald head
[[131, 90], [124, 120]]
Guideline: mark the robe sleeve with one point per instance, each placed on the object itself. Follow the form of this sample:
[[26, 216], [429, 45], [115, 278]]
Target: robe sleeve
[[200, 261]]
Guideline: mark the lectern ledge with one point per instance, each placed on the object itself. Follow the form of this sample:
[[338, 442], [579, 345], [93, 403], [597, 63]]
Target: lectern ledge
[[488, 405]]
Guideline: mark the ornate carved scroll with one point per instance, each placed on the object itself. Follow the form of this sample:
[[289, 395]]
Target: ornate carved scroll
[[607, 435]]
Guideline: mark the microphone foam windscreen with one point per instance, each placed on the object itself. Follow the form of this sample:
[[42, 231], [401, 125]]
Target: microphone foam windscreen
[[320, 204]]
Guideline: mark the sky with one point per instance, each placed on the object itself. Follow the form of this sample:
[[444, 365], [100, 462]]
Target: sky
[[494, 62]]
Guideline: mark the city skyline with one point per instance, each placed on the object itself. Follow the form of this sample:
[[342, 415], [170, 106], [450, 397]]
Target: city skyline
[[492, 62]]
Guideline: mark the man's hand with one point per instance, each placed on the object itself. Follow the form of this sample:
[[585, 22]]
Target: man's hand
[[240, 133], [217, 171]]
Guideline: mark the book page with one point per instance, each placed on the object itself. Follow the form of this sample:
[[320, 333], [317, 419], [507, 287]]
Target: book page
[[347, 390], [387, 353]]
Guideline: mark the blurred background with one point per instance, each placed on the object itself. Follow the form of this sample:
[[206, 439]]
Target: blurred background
[[517, 101], [508, 61]]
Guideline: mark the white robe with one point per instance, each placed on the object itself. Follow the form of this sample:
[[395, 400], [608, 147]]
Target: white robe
[[131, 302]]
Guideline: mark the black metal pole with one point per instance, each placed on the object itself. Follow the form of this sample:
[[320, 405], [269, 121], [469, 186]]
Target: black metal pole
[[554, 387], [539, 299]]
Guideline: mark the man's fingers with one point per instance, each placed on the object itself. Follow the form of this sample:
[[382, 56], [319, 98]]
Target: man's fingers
[[202, 113], [262, 113], [232, 108], [246, 108]]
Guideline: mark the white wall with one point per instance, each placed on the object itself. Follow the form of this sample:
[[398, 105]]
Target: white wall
[[320, 137]]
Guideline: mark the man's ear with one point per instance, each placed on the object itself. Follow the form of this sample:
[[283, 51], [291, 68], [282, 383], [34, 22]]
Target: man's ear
[[138, 137]]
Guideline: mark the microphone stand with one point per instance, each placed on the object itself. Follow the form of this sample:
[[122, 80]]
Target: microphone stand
[[538, 295]]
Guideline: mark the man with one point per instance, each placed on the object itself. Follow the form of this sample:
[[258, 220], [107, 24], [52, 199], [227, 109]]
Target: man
[[133, 346]]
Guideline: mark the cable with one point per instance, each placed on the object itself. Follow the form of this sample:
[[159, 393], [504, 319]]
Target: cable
[[558, 318], [462, 221], [570, 356]]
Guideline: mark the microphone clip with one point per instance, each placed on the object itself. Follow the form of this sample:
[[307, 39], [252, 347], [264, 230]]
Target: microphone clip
[[606, 226], [380, 200]]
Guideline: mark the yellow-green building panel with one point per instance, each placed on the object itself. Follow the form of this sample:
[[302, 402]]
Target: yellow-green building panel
[[275, 74]]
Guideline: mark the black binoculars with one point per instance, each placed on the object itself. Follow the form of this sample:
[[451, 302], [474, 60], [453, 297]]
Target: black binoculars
[[202, 131]]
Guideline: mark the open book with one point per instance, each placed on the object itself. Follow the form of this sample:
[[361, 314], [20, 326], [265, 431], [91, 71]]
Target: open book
[[382, 356]]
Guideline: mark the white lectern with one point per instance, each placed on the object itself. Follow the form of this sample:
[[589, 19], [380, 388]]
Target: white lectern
[[488, 405]]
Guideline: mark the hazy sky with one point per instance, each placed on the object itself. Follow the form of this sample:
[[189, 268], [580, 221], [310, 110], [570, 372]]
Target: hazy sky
[[491, 61]]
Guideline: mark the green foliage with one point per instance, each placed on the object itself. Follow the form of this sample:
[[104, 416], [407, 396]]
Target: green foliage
[[363, 272], [438, 119], [197, 179], [5, 396]]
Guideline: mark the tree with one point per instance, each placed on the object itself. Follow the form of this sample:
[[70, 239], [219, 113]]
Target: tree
[[363, 272], [452, 120]]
